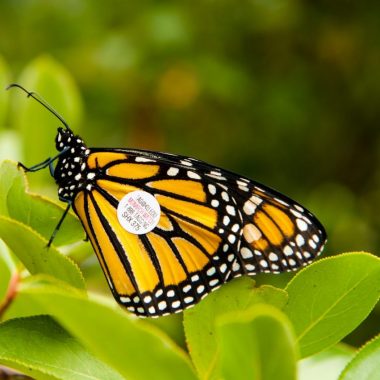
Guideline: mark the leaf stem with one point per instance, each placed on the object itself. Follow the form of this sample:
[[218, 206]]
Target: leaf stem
[[11, 293]]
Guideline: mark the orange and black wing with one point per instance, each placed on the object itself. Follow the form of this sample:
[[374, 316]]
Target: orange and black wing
[[214, 226]]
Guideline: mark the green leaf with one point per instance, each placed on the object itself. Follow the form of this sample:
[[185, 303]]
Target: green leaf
[[4, 96], [331, 297], [38, 212], [257, 344], [8, 175], [134, 348], [199, 322], [37, 125], [41, 348], [172, 325], [329, 362], [366, 364], [31, 249]]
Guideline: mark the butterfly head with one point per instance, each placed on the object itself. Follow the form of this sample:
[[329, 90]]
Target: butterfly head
[[65, 139]]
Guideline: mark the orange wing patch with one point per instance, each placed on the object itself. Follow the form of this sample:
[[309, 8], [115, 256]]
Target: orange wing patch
[[172, 271], [209, 240], [164, 223], [117, 190], [126, 170], [193, 257], [101, 159], [282, 220], [202, 214], [187, 188], [268, 228]]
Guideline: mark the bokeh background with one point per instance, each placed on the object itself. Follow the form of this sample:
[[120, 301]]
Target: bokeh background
[[284, 92]]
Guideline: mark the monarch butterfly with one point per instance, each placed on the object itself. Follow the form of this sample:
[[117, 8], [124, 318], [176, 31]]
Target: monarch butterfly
[[169, 229]]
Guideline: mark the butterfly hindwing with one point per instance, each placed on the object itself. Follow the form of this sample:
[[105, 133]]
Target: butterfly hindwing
[[277, 233]]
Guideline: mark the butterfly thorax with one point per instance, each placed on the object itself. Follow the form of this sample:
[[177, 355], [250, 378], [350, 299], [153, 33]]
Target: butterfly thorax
[[70, 171]]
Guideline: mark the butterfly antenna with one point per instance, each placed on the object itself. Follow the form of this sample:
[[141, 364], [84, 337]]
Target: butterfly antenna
[[42, 102]]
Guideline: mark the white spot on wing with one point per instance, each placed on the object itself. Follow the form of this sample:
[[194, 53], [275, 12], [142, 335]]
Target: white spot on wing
[[193, 175], [246, 253], [231, 210], [200, 289], [226, 220], [143, 159], [302, 225], [251, 233], [214, 203], [172, 171], [273, 257], [288, 251], [225, 196], [212, 189], [300, 240], [235, 228], [249, 208], [249, 267]]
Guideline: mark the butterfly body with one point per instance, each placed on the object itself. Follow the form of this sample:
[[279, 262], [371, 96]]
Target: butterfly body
[[70, 171], [214, 225]]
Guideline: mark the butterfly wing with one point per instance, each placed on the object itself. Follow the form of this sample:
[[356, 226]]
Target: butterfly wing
[[214, 226]]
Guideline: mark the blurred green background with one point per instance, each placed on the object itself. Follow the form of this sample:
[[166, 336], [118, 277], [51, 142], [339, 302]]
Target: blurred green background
[[284, 92]]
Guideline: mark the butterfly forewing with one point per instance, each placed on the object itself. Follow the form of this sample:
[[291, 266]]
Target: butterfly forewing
[[213, 226]]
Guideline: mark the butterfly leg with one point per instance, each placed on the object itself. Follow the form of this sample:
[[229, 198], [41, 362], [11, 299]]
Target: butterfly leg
[[59, 224], [37, 167], [48, 162], [51, 168]]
